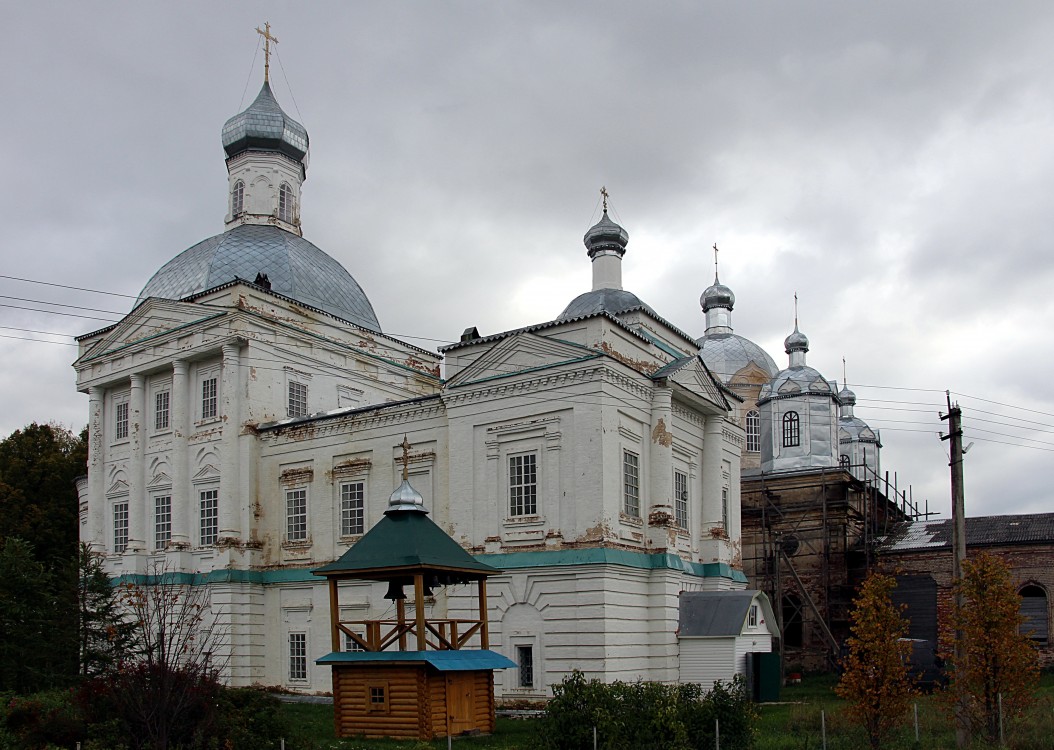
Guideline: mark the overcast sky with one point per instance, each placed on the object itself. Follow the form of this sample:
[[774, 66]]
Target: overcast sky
[[892, 163]]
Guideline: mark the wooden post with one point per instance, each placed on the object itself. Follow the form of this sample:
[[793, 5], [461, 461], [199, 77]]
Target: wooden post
[[419, 603], [400, 607], [334, 613], [484, 630]]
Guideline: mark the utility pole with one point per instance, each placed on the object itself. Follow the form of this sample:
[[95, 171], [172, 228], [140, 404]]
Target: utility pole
[[955, 435]]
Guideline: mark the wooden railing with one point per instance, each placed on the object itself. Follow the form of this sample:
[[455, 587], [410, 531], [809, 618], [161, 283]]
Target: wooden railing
[[440, 635]]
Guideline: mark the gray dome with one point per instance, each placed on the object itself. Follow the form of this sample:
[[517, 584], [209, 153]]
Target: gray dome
[[794, 381], [606, 235], [264, 126], [796, 342], [717, 295], [294, 267], [613, 301], [847, 397], [855, 430], [725, 354]]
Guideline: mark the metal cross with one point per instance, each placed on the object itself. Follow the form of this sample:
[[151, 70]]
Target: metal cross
[[715, 260], [266, 34], [406, 458], [795, 311], [604, 192]]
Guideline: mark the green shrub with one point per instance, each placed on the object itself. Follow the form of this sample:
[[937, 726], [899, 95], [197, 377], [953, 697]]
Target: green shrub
[[43, 719], [646, 714]]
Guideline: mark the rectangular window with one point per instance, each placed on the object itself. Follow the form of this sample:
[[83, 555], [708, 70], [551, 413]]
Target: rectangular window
[[162, 521], [296, 515], [523, 485], [298, 656], [161, 399], [208, 398], [120, 526], [377, 697], [631, 484], [752, 618], [209, 516], [297, 399], [680, 499], [350, 644], [525, 662], [120, 428], [352, 495], [724, 509]]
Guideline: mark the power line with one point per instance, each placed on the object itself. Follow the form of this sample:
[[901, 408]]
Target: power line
[[64, 286]]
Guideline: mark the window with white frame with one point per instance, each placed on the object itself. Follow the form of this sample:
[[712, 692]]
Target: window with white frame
[[523, 484], [525, 663], [296, 514], [209, 501], [352, 506], [161, 410], [285, 203], [631, 484], [298, 656], [237, 198], [297, 401], [120, 420], [209, 395], [724, 508], [120, 526], [752, 618], [680, 499], [753, 431], [791, 430], [162, 521], [350, 644]]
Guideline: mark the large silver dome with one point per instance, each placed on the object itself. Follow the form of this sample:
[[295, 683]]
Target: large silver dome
[[613, 301], [294, 267], [725, 354]]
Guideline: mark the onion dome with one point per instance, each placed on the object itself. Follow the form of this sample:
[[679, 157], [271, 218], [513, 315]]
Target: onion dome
[[294, 268], [796, 342], [847, 397], [606, 235], [717, 295], [406, 497], [265, 127]]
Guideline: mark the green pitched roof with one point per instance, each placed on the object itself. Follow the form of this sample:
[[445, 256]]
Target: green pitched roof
[[404, 540]]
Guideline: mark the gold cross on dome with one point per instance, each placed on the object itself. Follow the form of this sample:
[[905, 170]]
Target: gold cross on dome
[[604, 192], [266, 34], [406, 458]]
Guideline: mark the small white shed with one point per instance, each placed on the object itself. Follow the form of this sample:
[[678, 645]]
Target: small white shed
[[716, 631]]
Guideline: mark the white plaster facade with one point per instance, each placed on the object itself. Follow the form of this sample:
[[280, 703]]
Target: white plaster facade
[[244, 438]]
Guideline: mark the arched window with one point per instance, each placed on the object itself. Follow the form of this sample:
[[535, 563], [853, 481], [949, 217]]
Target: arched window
[[1034, 610], [791, 433], [843, 461], [238, 198], [285, 203], [753, 431]]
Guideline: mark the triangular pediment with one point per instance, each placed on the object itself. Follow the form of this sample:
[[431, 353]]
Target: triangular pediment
[[691, 374], [161, 479], [120, 487], [208, 471], [151, 320], [519, 353]]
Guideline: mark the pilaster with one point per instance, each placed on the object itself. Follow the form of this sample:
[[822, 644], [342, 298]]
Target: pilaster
[[230, 475], [182, 493], [96, 470], [138, 502]]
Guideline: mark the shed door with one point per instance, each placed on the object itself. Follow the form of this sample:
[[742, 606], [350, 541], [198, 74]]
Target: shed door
[[460, 701]]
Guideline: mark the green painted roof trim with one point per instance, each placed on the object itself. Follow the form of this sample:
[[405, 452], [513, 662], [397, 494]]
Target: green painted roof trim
[[527, 370], [508, 561], [449, 660], [405, 539]]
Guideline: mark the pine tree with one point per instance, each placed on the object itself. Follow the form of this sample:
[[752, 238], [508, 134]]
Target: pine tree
[[998, 660], [876, 683], [106, 634]]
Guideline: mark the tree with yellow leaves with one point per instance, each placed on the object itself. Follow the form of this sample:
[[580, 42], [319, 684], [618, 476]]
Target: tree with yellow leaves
[[998, 662], [876, 683]]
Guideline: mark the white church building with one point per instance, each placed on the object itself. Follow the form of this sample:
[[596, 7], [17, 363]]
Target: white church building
[[245, 426]]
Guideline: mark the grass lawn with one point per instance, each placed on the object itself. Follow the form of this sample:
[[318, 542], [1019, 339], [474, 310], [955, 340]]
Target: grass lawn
[[793, 724]]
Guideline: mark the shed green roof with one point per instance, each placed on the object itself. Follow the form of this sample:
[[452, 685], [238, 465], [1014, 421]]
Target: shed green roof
[[404, 541]]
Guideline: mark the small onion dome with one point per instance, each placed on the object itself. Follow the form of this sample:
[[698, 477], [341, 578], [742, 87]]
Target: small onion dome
[[796, 342], [717, 295], [606, 235], [847, 397], [265, 127], [406, 497]]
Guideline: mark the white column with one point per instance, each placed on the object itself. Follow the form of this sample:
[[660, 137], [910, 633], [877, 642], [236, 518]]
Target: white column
[[230, 479], [139, 509], [660, 516], [712, 548], [182, 493], [96, 469]]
